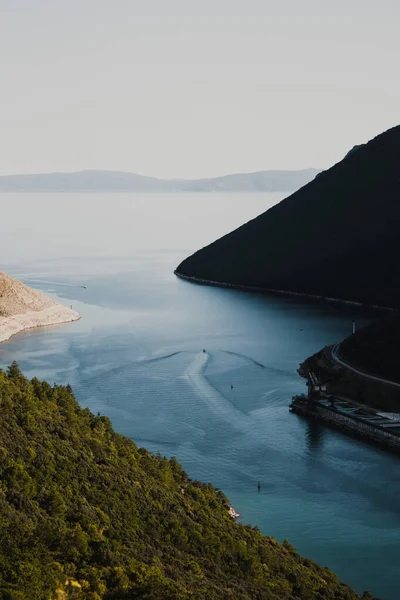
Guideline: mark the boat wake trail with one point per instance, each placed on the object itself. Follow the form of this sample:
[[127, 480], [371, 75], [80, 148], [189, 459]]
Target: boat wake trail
[[215, 401], [151, 360], [258, 364], [132, 365], [254, 362]]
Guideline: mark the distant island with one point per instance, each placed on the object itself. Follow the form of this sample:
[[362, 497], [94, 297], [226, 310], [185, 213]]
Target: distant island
[[120, 181], [22, 308], [335, 238]]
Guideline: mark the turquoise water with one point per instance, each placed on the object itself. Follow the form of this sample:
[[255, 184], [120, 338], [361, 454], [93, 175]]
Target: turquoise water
[[137, 356]]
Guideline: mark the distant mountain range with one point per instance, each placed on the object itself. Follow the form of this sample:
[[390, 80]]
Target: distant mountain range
[[120, 181], [336, 237]]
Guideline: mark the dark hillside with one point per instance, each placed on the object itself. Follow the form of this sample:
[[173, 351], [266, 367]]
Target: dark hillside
[[87, 515], [336, 237], [376, 349]]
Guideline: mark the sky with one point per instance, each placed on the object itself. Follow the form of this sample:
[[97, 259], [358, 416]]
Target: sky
[[194, 88]]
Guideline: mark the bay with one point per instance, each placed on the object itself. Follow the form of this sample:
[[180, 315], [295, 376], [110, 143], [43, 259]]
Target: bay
[[137, 356]]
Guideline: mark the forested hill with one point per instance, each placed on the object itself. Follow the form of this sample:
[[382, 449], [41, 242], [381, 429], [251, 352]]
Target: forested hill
[[336, 237], [86, 514]]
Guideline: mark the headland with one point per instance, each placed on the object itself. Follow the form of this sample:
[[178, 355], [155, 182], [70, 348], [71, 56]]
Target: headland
[[23, 308]]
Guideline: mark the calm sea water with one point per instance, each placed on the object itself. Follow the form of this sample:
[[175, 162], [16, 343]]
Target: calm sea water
[[137, 356]]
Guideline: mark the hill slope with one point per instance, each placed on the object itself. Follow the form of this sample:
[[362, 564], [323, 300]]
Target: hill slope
[[119, 181], [335, 237], [21, 308], [375, 349], [368, 367], [85, 514]]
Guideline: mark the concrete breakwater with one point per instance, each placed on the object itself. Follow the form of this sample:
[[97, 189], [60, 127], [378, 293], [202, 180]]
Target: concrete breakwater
[[366, 424]]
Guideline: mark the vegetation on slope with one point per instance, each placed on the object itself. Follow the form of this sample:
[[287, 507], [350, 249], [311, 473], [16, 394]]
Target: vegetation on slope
[[375, 349], [86, 514], [336, 237]]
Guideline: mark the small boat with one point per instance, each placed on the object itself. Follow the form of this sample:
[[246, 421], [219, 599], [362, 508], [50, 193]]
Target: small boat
[[84, 287]]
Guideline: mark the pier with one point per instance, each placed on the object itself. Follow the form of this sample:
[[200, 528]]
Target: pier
[[348, 416]]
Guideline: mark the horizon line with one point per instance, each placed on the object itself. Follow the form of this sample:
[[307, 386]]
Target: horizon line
[[123, 172]]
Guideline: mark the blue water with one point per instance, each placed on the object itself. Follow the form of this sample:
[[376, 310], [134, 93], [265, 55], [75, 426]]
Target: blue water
[[137, 356]]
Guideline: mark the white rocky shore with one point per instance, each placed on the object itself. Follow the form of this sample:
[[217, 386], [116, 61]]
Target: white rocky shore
[[233, 513], [24, 308]]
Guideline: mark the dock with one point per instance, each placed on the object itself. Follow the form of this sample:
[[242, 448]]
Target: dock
[[348, 416]]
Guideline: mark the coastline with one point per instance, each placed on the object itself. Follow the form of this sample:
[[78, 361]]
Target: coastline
[[233, 513], [52, 315], [280, 292], [379, 432]]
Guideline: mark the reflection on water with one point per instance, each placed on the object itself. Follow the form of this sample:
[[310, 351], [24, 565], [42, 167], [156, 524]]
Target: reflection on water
[[315, 437]]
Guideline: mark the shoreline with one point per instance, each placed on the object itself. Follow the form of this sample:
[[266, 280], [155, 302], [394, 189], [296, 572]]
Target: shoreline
[[249, 288], [351, 424], [52, 315], [233, 513]]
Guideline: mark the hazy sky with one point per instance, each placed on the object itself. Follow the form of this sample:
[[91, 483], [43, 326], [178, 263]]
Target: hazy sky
[[186, 88]]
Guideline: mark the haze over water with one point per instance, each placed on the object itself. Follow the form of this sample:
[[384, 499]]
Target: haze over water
[[137, 356]]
